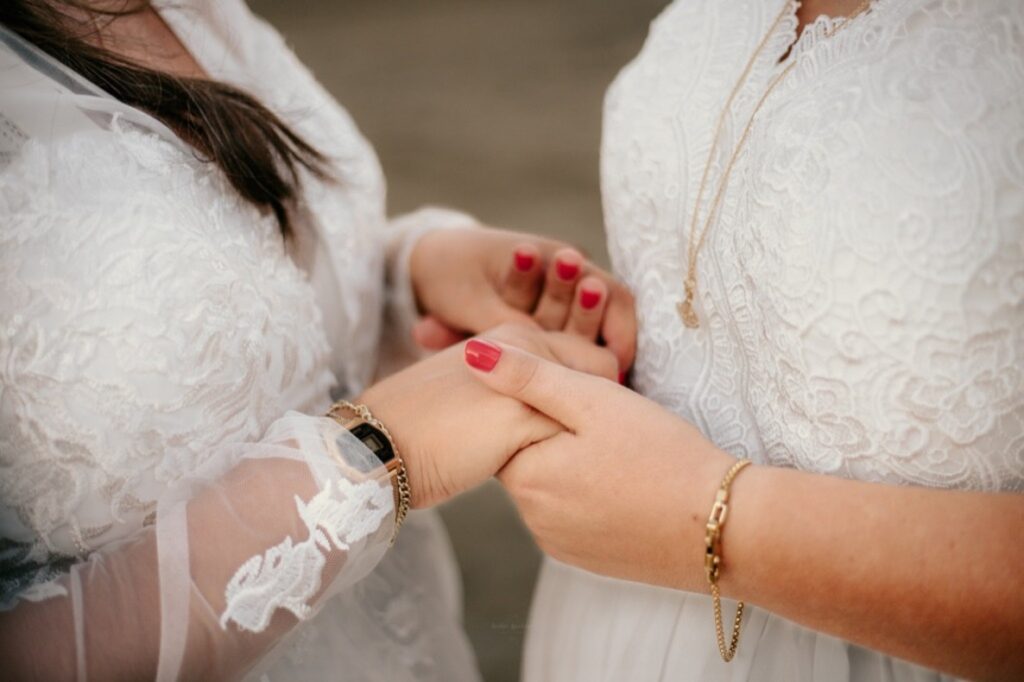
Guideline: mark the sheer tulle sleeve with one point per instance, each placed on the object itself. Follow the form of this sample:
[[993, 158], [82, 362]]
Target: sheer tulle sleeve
[[161, 508], [227, 566]]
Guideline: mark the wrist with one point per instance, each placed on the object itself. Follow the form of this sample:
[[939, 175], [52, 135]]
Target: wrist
[[688, 493], [426, 249], [740, 549], [744, 548], [413, 255], [392, 415], [366, 428]]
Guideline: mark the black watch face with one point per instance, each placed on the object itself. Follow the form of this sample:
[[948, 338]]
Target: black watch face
[[376, 441]]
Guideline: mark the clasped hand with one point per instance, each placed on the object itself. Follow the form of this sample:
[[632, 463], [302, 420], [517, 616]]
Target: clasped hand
[[544, 409], [621, 486], [468, 281], [453, 432]]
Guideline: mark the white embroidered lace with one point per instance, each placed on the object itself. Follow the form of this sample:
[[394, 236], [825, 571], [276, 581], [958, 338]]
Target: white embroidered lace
[[287, 575], [861, 290], [160, 507]]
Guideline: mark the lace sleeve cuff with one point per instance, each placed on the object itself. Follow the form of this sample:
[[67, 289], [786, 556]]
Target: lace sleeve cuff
[[250, 543], [402, 311]]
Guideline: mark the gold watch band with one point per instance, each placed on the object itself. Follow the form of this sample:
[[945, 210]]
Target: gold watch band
[[351, 416]]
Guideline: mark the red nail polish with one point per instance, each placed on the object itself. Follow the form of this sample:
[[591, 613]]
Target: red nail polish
[[622, 378], [567, 271], [589, 299], [524, 261], [482, 355]]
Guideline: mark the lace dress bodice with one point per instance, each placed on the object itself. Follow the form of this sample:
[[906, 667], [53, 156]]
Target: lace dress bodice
[[861, 288], [157, 336]]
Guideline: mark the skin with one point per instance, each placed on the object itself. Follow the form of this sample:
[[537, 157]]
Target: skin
[[469, 280], [932, 576], [453, 432], [810, 10], [456, 307], [466, 281]]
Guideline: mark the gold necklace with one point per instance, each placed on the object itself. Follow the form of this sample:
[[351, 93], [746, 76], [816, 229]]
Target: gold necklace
[[696, 239]]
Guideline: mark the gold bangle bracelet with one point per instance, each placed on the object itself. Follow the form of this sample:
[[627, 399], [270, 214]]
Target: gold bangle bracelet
[[713, 561], [395, 468]]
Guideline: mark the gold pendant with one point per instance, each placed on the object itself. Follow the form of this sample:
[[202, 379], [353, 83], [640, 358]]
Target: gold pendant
[[685, 307], [687, 314]]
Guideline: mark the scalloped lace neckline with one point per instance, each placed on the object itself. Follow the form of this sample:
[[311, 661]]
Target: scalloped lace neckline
[[824, 28]]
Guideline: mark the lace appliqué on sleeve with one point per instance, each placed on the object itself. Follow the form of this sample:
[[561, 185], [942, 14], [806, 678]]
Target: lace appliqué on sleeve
[[288, 575]]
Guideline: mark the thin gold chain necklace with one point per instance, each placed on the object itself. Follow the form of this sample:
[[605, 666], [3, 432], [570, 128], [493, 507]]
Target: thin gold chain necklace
[[685, 307]]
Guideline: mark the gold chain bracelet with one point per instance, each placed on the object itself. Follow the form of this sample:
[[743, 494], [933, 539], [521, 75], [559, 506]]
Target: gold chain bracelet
[[402, 489], [713, 561]]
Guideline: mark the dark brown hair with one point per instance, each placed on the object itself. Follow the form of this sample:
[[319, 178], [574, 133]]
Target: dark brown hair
[[255, 149]]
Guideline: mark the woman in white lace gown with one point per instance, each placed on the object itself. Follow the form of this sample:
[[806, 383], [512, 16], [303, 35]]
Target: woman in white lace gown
[[171, 505], [861, 308]]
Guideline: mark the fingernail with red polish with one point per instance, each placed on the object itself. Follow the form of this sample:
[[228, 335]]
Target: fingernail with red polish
[[482, 355], [622, 378], [524, 261], [567, 271], [589, 299]]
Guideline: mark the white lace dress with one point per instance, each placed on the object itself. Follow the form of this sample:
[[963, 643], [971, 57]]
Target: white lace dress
[[861, 290], [167, 493]]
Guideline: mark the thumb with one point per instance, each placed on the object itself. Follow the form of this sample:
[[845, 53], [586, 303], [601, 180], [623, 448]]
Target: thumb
[[557, 391], [430, 333]]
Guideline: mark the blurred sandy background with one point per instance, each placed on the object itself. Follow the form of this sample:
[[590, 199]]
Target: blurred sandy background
[[493, 107]]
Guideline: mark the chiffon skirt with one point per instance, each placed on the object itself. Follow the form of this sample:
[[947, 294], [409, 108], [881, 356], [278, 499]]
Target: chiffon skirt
[[590, 628]]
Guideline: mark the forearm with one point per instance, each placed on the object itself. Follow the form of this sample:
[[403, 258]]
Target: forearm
[[230, 564], [108, 626], [927, 575], [98, 630], [404, 232]]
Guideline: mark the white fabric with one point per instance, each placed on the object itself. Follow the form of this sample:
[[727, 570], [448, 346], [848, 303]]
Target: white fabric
[[861, 290], [164, 497]]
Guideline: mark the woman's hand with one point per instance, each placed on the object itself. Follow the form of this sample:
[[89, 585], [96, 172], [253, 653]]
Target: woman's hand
[[932, 576], [624, 490], [454, 433], [470, 280]]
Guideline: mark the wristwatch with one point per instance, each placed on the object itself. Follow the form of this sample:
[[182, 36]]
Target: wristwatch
[[368, 434], [358, 420]]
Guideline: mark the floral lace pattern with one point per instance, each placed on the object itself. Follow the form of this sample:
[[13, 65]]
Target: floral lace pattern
[[862, 287], [113, 355], [287, 576], [154, 328], [861, 290]]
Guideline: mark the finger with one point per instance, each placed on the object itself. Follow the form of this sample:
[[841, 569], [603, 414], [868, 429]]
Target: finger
[[523, 281], [581, 355], [619, 326], [559, 289], [529, 464], [588, 308], [557, 391], [432, 334], [487, 310]]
